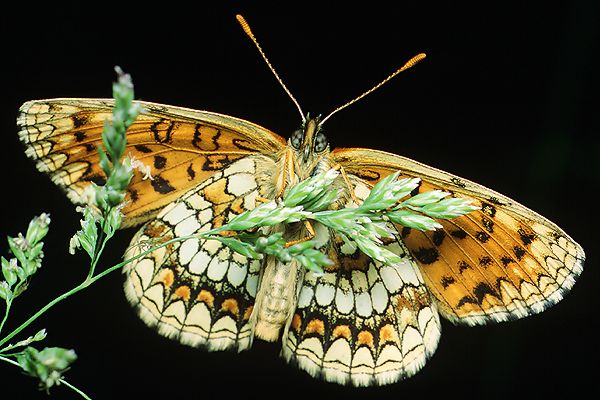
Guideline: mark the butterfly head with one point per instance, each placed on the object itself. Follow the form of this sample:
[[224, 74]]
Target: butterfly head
[[309, 142]]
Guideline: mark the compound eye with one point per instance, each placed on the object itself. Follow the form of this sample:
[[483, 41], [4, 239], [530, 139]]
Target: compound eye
[[320, 143], [296, 139]]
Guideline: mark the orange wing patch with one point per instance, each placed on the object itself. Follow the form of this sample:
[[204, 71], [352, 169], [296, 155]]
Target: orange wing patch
[[485, 269], [182, 147]]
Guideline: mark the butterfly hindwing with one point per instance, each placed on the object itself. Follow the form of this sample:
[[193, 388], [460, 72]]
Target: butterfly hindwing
[[182, 147], [501, 262], [362, 322], [197, 291]]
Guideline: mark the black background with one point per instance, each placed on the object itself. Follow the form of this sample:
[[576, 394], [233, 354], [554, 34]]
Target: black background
[[506, 98]]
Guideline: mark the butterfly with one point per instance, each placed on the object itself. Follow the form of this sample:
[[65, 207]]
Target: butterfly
[[360, 322]]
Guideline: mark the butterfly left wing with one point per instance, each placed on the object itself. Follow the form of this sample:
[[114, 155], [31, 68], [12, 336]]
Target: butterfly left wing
[[182, 147], [199, 292], [501, 262]]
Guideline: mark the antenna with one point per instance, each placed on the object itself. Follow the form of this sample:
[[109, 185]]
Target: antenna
[[248, 32], [413, 61]]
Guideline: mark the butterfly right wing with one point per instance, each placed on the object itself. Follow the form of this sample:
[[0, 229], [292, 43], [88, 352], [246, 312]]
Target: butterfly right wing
[[199, 292], [498, 263], [182, 147]]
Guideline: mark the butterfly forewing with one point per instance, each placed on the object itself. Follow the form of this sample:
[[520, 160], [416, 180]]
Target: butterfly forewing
[[182, 148], [501, 262]]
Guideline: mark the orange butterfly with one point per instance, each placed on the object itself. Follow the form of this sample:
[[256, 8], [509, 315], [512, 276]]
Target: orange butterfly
[[361, 322]]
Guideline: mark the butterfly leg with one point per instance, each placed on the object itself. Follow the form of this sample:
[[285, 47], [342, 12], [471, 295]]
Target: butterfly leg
[[338, 167], [287, 174], [311, 235], [261, 199]]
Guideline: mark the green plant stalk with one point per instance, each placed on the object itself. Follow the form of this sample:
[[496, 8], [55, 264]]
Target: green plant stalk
[[8, 304], [35, 316], [62, 381], [75, 389], [8, 360], [87, 282], [90, 279], [97, 252]]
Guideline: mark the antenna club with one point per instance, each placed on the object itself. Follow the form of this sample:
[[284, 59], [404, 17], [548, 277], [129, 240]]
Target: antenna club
[[244, 25], [413, 61]]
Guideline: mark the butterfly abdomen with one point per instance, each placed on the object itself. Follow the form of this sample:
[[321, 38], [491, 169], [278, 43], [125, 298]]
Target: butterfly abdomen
[[276, 298]]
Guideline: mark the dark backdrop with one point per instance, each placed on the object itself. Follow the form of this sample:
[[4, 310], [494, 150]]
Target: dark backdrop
[[506, 98]]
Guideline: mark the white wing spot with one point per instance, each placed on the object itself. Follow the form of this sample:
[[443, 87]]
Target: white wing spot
[[391, 279], [145, 270], [246, 164], [364, 307], [344, 301], [177, 214], [325, 294], [240, 184], [252, 284], [188, 249], [408, 273], [305, 297], [199, 263], [236, 274], [216, 269], [379, 296], [187, 226]]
